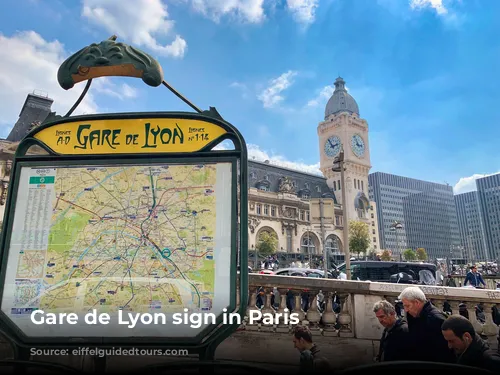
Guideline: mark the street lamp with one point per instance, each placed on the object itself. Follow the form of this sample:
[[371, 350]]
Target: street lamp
[[338, 166], [395, 228], [309, 253]]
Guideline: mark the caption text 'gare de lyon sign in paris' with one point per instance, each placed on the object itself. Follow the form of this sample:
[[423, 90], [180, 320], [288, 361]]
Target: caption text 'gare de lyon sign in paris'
[[127, 214]]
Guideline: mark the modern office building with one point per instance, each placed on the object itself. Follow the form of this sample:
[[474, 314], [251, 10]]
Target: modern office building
[[488, 191], [470, 226], [425, 211]]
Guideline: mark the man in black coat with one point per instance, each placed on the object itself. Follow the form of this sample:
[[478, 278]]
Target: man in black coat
[[470, 348], [424, 326], [394, 341]]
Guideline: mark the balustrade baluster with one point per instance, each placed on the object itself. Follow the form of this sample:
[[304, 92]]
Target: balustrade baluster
[[252, 302], [455, 309], [267, 310], [298, 307], [328, 317], [345, 318], [313, 316], [490, 329], [478, 327], [282, 327]]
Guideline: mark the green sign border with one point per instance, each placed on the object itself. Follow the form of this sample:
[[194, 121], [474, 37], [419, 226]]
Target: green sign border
[[204, 343]]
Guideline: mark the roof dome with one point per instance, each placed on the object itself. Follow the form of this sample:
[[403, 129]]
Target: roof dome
[[341, 100]]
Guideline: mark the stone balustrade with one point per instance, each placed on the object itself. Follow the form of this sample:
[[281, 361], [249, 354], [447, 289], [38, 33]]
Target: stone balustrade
[[354, 301], [491, 281], [345, 328]]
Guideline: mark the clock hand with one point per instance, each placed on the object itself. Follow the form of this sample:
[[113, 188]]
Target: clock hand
[[331, 144]]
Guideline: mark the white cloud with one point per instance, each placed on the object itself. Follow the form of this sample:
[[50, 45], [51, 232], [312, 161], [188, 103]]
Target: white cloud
[[270, 96], [225, 145], [322, 97], [27, 63], [467, 184], [138, 22], [254, 11], [104, 86], [437, 5], [251, 11], [303, 11], [242, 87], [255, 153]]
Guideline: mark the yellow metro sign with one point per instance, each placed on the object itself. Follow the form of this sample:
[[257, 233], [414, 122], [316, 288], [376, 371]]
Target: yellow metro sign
[[129, 136]]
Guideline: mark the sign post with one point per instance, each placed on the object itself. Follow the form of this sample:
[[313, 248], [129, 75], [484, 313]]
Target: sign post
[[127, 229]]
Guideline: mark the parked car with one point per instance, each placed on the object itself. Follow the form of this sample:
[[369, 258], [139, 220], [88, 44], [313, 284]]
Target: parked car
[[379, 271], [249, 269], [303, 272]]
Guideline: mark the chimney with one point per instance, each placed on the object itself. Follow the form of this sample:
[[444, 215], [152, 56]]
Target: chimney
[[36, 108]]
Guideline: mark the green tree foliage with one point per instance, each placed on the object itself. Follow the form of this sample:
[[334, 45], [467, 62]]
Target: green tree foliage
[[410, 255], [359, 237], [421, 254], [267, 244]]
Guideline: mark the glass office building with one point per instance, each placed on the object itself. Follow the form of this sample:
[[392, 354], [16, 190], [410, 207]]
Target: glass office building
[[470, 226], [488, 190], [426, 211]]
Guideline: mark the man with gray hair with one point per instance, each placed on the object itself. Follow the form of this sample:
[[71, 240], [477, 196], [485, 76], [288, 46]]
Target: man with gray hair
[[394, 341], [424, 326]]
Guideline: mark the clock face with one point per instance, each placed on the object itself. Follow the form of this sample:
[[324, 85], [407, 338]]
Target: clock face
[[332, 146], [358, 145]]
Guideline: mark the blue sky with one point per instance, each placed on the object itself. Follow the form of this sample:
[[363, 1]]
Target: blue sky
[[424, 72]]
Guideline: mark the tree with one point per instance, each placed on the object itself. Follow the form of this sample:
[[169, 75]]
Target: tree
[[359, 237], [386, 256], [421, 254], [409, 255], [267, 243]]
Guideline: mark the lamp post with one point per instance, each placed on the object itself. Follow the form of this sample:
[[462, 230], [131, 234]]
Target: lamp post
[[338, 163], [395, 228], [309, 253], [325, 254]]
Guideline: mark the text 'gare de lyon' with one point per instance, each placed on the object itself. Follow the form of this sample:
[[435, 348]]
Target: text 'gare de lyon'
[[88, 138]]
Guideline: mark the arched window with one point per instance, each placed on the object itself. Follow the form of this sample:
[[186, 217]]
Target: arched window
[[332, 245], [308, 245]]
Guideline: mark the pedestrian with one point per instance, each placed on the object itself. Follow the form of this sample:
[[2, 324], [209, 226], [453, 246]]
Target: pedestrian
[[424, 326], [394, 341], [470, 348], [474, 278], [450, 281], [310, 360]]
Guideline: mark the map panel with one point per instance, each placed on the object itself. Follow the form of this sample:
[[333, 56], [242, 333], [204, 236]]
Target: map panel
[[140, 239]]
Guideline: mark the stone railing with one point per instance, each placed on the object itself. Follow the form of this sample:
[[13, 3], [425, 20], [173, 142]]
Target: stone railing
[[491, 281], [348, 305], [344, 326]]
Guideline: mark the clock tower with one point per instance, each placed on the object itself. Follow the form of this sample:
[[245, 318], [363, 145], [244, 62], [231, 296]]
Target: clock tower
[[343, 128]]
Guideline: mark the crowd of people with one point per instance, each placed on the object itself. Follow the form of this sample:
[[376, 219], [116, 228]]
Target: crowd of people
[[425, 334]]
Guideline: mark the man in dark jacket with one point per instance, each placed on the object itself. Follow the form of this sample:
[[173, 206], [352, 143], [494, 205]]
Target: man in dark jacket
[[310, 359], [394, 341], [470, 348], [474, 278], [424, 325]]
